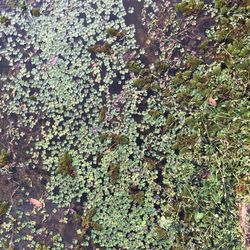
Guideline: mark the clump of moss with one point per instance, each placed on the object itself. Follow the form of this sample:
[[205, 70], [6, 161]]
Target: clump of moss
[[137, 197], [189, 7], [4, 20], [151, 164], [4, 206], [65, 165], [155, 113], [161, 233], [4, 158], [161, 67], [145, 81], [100, 48], [35, 12], [102, 114], [113, 173], [115, 33], [134, 67], [120, 139], [88, 223], [193, 62]]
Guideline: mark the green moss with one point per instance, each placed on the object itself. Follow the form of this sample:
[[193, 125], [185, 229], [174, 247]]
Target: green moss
[[88, 223], [4, 158], [113, 173], [100, 48], [190, 7], [151, 164], [4, 206], [204, 45], [134, 67], [161, 67], [155, 113], [65, 165], [35, 12], [120, 139], [193, 62], [4, 20], [138, 197], [102, 114], [161, 233], [115, 33]]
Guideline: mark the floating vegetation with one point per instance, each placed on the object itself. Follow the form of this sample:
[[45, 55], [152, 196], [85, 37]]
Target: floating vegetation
[[141, 129]]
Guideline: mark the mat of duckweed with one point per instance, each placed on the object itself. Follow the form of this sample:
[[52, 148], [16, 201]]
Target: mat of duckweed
[[124, 124]]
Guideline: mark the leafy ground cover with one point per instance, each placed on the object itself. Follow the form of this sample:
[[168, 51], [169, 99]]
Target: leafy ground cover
[[124, 125]]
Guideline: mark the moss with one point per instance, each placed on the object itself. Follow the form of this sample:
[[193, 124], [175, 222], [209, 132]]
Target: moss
[[88, 223], [32, 98], [134, 67], [161, 233], [150, 163], [138, 197], [113, 173], [193, 62], [115, 33], [204, 45], [120, 139], [4, 158], [35, 12], [161, 67], [190, 7], [4, 206], [155, 113], [221, 35], [100, 48], [102, 114], [169, 123], [4, 20], [96, 226], [65, 165]]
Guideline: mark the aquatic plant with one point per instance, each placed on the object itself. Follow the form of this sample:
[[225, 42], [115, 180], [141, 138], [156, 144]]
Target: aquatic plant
[[158, 159]]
